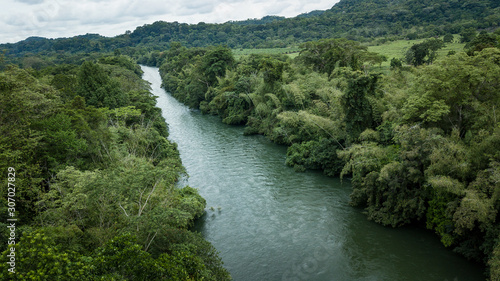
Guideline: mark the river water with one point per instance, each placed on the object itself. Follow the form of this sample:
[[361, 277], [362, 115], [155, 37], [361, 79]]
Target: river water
[[271, 223]]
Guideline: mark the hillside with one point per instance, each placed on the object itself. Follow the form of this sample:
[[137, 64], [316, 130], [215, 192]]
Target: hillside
[[360, 20]]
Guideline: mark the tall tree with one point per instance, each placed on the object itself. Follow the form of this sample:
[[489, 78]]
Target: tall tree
[[215, 62], [424, 52], [98, 89], [357, 106], [327, 54]]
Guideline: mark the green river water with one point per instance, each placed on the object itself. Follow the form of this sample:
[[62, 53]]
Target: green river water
[[271, 223]]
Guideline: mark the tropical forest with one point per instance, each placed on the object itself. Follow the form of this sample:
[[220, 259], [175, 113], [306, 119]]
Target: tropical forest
[[397, 103]]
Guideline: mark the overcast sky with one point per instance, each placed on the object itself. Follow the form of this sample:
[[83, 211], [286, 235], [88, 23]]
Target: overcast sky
[[20, 19]]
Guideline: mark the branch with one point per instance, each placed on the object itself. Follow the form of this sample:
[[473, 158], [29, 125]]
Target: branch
[[145, 203], [150, 241], [119, 204]]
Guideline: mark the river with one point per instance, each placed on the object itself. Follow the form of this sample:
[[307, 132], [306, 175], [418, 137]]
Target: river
[[271, 223]]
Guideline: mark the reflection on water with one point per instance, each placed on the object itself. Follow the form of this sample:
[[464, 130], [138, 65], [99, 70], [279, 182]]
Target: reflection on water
[[270, 223]]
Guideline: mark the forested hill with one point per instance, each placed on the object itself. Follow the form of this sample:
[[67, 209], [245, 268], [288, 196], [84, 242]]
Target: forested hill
[[353, 19]]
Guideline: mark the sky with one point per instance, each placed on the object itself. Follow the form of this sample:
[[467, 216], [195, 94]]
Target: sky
[[20, 19]]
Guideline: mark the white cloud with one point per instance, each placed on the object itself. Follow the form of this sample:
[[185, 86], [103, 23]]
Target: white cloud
[[20, 19], [30, 2]]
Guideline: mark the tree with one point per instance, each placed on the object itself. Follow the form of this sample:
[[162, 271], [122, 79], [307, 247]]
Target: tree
[[458, 92], [327, 54], [215, 62], [358, 109], [38, 257], [122, 180], [396, 63], [98, 88], [24, 101], [60, 144], [448, 38], [272, 70], [467, 35], [482, 41], [424, 52], [388, 180], [494, 262]]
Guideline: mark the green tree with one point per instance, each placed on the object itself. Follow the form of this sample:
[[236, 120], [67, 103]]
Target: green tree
[[467, 35], [389, 180], [424, 52], [215, 63], [320, 155], [23, 101], [396, 63], [327, 54], [457, 92], [482, 41], [494, 262], [272, 70], [60, 143], [448, 38], [359, 113], [38, 257], [98, 88]]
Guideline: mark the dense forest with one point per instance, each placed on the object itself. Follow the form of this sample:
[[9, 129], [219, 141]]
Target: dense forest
[[92, 179], [81, 134], [418, 144], [352, 19]]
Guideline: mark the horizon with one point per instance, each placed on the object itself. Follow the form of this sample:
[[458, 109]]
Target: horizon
[[52, 19]]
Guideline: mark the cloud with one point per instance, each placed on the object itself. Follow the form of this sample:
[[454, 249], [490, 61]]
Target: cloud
[[30, 2], [64, 18]]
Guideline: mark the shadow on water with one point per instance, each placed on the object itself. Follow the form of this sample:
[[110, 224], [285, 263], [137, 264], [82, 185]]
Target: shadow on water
[[271, 223]]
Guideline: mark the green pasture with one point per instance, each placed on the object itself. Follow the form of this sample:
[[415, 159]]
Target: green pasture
[[398, 48], [391, 49], [290, 51]]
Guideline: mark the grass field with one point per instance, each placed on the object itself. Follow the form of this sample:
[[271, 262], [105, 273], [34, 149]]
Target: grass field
[[393, 49], [290, 51], [397, 49]]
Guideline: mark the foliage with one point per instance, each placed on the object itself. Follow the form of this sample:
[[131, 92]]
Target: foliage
[[458, 92], [494, 263], [482, 41], [357, 104], [123, 258], [350, 19], [319, 155], [467, 35], [98, 88], [39, 257], [417, 143], [90, 146], [324, 55], [214, 64], [99, 200], [448, 38], [424, 52], [24, 101], [396, 63]]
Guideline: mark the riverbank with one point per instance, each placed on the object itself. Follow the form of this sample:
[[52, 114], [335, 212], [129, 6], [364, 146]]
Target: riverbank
[[271, 223]]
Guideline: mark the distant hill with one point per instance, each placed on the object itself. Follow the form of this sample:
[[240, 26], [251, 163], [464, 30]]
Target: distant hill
[[264, 20], [360, 20]]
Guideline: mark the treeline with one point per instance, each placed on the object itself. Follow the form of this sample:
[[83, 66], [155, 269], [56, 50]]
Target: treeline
[[95, 195], [352, 19], [419, 144]]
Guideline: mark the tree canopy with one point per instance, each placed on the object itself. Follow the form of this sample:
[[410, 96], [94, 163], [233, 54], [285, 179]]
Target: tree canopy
[[418, 143], [98, 198]]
